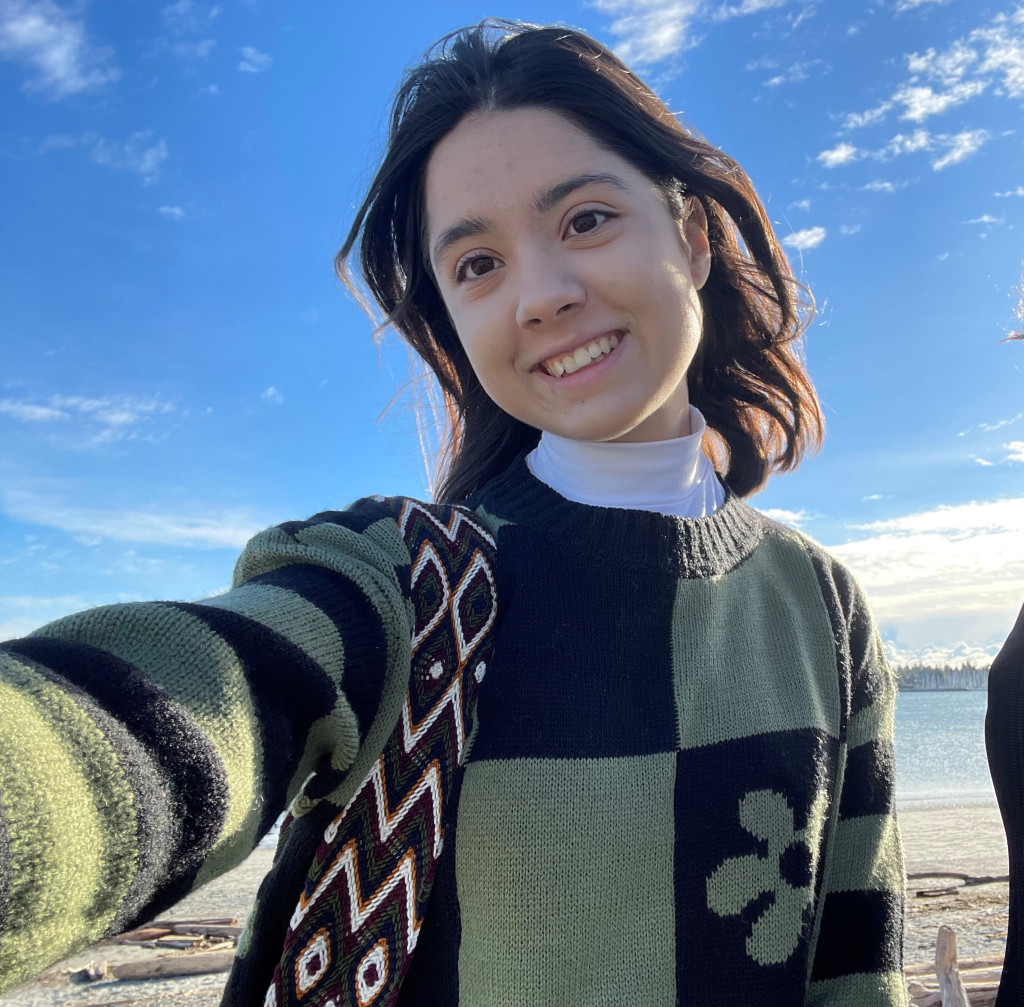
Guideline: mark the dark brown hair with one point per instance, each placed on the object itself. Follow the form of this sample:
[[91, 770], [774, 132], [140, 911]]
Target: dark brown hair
[[747, 378]]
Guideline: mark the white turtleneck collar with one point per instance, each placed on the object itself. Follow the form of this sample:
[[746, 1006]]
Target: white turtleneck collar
[[668, 477]]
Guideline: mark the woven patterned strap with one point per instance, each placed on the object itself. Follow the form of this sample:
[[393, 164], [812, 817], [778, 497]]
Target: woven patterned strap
[[355, 927]]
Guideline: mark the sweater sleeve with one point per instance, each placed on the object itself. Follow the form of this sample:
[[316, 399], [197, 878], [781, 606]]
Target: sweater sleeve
[[146, 748], [857, 958]]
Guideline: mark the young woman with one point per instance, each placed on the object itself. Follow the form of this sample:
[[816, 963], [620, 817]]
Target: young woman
[[601, 734]]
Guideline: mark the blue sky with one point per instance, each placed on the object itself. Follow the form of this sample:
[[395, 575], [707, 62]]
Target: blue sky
[[180, 367]]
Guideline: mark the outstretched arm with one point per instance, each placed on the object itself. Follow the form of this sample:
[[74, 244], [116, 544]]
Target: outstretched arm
[[146, 748]]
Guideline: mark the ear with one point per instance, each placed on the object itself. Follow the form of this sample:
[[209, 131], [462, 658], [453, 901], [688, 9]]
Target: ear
[[694, 227]]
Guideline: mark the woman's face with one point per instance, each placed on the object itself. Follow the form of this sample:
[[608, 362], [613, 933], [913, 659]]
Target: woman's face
[[570, 284]]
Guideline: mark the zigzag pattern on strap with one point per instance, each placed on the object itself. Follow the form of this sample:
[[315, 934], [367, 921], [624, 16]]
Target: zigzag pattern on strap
[[356, 923]]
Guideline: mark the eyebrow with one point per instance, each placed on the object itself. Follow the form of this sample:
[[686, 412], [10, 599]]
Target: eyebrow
[[544, 201]]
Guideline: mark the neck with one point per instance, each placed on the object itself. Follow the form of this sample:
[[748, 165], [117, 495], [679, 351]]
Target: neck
[[668, 476]]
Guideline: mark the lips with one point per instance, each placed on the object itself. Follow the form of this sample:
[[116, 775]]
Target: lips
[[583, 356]]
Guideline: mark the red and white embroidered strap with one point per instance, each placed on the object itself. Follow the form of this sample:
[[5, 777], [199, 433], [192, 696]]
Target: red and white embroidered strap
[[353, 932]]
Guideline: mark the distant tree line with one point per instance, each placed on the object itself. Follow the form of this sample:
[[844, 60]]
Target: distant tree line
[[920, 677]]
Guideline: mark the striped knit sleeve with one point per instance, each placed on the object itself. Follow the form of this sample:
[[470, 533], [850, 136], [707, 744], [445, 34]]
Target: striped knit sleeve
[[857, 957], [146, 748]]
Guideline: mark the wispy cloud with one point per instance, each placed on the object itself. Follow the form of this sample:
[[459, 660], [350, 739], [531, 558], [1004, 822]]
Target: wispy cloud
[[947, 149], [94, 420], [188, 24], [23, 614], [988, 59], [202, 528], [843, 153], [794, 518], [920, 102], [254, 61], [141, 153], [999, 424], [53, 43], [905, 5], [986, 219], [849, 228], [1019, 191], [172, 212], [648, 31], [272, 395], [809, 237], [879, 185], [1014, 451], [950, 567]]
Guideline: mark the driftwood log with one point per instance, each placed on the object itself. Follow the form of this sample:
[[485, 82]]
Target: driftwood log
[[947, 983]]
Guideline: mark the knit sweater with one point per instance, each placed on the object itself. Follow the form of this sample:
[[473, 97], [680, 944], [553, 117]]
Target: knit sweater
[[677, 782]]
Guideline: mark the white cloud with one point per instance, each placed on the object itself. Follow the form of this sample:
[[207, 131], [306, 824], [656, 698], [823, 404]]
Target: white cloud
[[844, 153], [54, 44], [1019, 191], [727, 11], [801, 204], [878, 185], [961, 146], [920, 102], [271, 394], [937, 656], [187, 23], [900, 144], [985, 218], [140, 153], [873, 496], [254, 61], [793, 518], [1015, 451], [948, 66], [95, 420], [650, 30], [172, 212], [984, 462], [809, 237], [23, 614], [947, 574], [999, 424], [211, 89], [849, 228], [904, 5], [202, 529], [995, 52], [796, 72], [858, 120]]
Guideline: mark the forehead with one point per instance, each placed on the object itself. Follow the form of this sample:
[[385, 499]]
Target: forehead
[[498, 161]]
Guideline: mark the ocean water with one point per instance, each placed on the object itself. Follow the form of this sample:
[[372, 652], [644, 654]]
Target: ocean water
[[940, 749]]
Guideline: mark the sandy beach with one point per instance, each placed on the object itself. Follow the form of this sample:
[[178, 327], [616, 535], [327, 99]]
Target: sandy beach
[[968, 840]]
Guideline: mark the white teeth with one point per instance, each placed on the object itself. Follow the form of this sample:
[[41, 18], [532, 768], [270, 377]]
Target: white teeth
[[581, 356]]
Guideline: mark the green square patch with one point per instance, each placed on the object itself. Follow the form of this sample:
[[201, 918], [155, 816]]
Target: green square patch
[[565, 882]]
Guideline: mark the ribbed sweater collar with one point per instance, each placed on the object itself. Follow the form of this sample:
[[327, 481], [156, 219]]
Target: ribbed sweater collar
[[686, 547]]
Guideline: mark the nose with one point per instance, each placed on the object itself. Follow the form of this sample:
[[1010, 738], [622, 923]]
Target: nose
[[550, 291]]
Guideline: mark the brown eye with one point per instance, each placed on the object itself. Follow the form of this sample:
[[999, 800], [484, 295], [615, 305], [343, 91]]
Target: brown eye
[[475, 267], [589, 220], [480, 266]]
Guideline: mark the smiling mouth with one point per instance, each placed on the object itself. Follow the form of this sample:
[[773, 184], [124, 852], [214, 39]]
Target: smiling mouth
[[582, 356]]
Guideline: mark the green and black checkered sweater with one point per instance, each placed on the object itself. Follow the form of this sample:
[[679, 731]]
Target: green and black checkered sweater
[[677, 783]]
